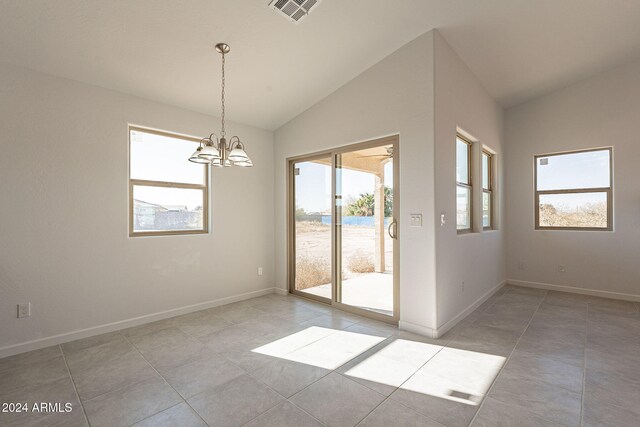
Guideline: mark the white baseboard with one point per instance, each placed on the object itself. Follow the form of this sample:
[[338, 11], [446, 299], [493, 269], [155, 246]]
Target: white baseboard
[[122, 324], [571, 289], [417, 329], [464, 313], [439, 332], [281, 291]]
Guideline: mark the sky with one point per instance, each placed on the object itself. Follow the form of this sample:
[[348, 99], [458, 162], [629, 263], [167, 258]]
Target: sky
[[577, 170], [160, 158], [588, 169]]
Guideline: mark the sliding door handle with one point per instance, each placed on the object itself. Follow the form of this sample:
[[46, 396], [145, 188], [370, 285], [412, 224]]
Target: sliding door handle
[[393, 225]]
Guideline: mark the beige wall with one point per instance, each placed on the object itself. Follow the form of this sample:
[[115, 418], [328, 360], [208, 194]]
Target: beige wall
[[478, 258], [422, 92], [63, 216], [601, 111], [394, 96]]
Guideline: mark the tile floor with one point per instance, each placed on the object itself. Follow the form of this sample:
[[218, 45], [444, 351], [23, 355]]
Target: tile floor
[[526, 357]]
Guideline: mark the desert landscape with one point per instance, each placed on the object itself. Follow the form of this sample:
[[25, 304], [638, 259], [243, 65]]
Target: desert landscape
[[361, 285]]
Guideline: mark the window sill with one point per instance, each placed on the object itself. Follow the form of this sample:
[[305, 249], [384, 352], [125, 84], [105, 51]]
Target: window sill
[[489, 230], [168, 233], [600, 230]]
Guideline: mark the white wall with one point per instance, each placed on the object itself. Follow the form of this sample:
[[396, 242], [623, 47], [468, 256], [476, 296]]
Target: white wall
[[601, 111], [64, 242], [478, 258], [394, 96]]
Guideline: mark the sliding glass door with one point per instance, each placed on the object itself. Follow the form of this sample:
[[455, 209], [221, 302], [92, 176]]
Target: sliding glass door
[[365, 228], [312, 250], [343, 231]]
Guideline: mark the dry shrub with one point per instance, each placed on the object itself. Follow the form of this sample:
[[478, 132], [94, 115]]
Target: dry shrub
[[360, 262], [312, 272], [589, 215], [311, 226]]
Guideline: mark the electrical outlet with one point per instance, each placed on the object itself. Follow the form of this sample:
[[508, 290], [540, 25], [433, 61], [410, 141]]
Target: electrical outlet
[[462, 286], [416, 220], [24, 310], [259, 271], [442, 220], [561, 269]]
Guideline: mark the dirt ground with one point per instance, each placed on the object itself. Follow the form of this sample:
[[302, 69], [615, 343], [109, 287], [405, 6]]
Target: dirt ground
[[313, 241]]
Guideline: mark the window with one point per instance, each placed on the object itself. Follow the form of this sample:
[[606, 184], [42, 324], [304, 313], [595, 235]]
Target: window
[[487, 190], [463, 184], [167, 193], [574, 190]]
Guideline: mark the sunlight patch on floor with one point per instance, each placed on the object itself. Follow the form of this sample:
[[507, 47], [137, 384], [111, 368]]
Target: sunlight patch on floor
[[321, 347], [286, 345], [448, 373], [395, 363], [458, 375]]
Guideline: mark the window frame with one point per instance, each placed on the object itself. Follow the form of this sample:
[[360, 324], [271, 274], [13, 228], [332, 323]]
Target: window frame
[[468, 186], [607, 190], [490, 167], [167, 184]]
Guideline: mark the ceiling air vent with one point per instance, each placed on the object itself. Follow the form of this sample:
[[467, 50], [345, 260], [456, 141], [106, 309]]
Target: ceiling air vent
[[294, 10]]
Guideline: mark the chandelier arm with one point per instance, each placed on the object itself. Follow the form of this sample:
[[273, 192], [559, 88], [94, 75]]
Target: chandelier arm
[[237, 144]]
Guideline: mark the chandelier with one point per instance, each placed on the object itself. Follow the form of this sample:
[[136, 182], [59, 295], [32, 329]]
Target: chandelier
[[218, 151]]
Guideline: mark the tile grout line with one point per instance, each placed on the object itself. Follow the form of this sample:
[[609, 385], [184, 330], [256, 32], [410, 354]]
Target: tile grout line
[[119, 388], [64, 357], [443, 346], [396, 389], [364, 385], [179, 327], [243, 369], [584, 368], [198, 339], [167, 383], [332, 308], [324, 376], [495, 380], [156, 413], [551, 357], [404, 406], [482, 311], [304, 388], [245, 373], [446, 345], [286, 399], [303, 410]]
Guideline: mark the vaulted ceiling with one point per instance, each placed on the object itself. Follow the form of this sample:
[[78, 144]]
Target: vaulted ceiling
[[163, 50]]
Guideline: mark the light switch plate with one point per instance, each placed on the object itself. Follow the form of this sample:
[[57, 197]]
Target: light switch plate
[[416, 220]]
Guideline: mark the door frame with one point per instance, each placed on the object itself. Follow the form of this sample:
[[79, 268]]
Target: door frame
[[393, 140]]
